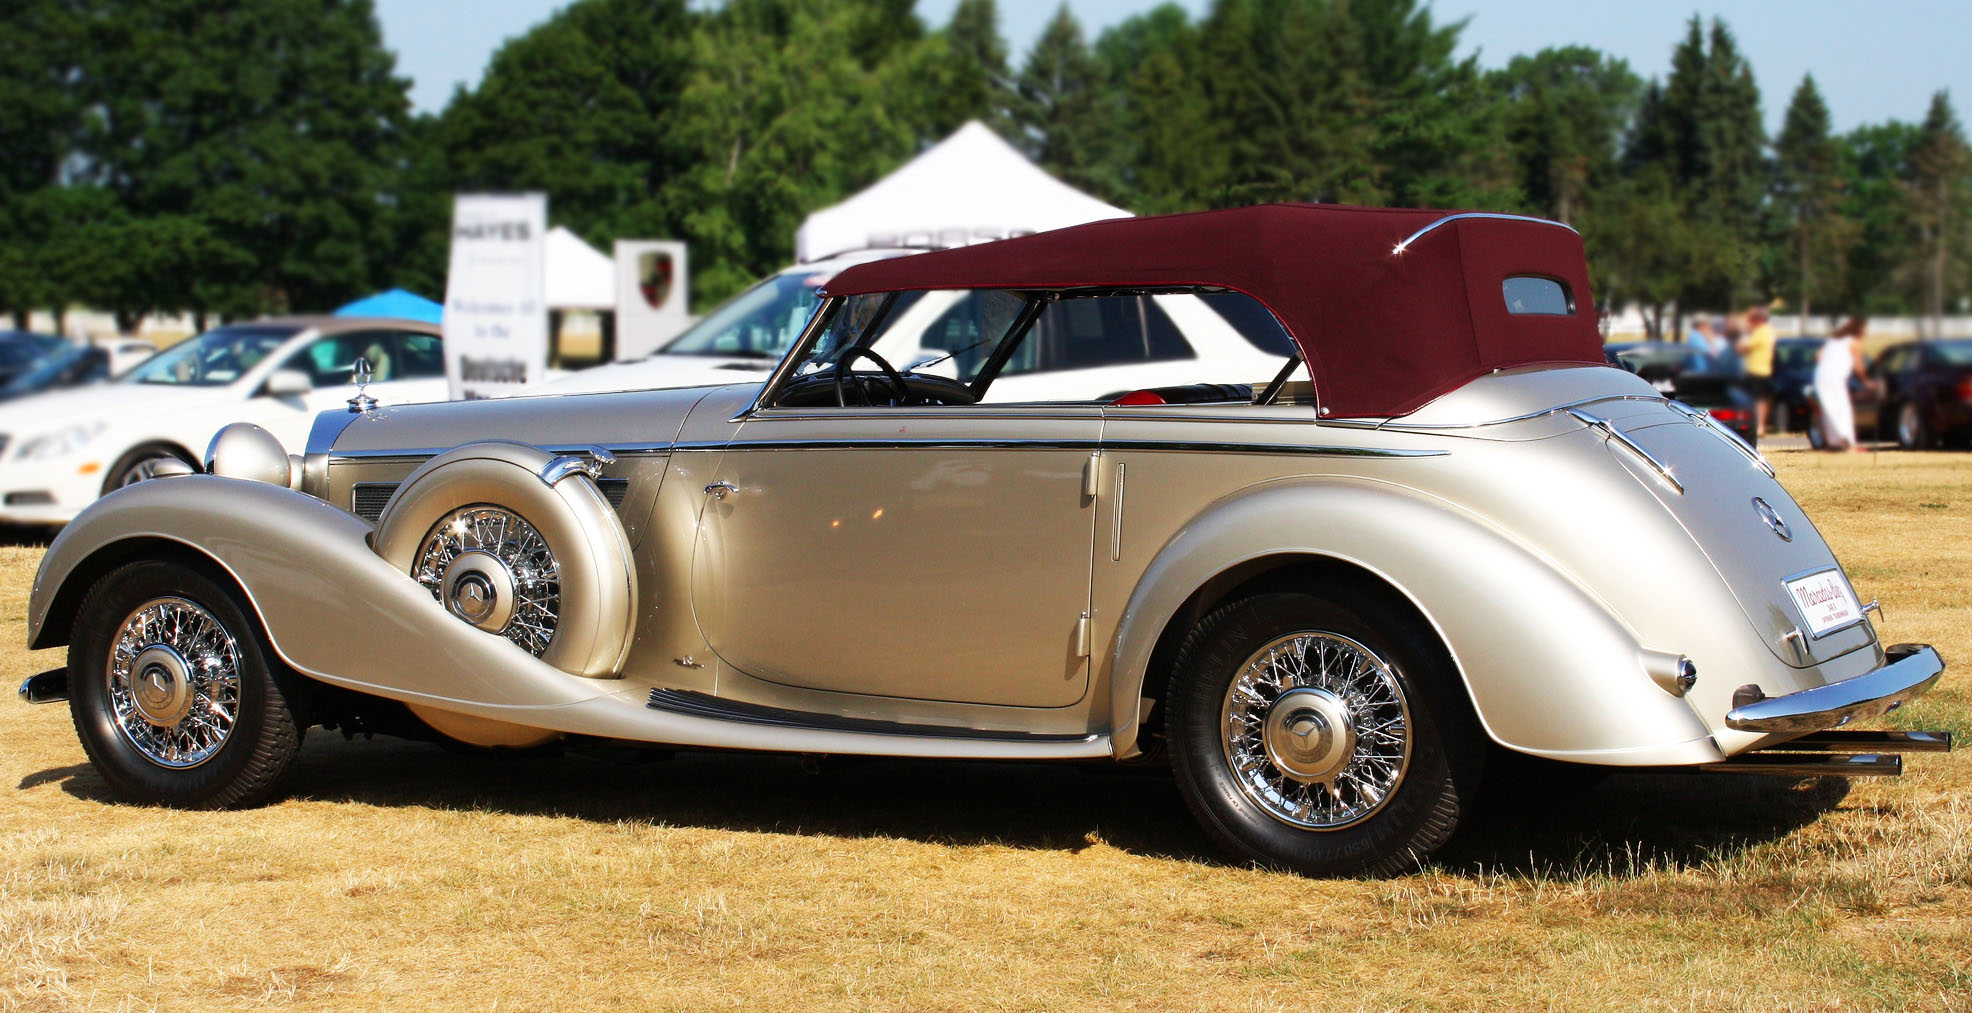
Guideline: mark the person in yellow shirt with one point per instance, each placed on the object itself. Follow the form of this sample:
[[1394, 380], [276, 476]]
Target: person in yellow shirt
[[1756, 353]]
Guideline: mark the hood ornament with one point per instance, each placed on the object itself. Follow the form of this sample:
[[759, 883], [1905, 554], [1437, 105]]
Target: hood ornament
[[1772, 519], [359, 374]]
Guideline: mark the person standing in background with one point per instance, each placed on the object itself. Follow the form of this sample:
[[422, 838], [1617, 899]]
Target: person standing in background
[[1701, 338], [1840, 358], [1756, 352]]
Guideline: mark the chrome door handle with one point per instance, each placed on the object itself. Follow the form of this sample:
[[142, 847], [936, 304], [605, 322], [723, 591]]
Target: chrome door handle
[[718, 490]]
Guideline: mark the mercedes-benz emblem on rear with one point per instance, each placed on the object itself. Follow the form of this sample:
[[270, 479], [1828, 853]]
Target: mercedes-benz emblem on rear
[[1772, 519]]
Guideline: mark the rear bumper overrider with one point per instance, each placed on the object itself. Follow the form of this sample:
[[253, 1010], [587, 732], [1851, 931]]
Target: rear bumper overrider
[[1908, 672]]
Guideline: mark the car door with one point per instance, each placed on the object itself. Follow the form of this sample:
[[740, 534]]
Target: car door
[[886, 553], [929, 553]]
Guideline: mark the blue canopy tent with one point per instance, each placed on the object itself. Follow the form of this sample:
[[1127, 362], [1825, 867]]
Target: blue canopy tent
[[394, 303]]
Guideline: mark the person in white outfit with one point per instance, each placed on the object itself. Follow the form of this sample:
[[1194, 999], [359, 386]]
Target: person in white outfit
[[1840, 358]]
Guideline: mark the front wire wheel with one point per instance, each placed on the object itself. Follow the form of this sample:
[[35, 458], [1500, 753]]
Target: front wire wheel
[[1322, 737], [173, 690]]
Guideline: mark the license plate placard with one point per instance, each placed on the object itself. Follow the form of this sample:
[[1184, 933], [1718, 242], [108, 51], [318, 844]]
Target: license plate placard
[[1825, 600]]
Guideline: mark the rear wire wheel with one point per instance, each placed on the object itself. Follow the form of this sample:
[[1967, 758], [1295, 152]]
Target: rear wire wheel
[[1322, 737]]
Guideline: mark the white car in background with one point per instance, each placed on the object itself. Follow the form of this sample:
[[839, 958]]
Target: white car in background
[[747, 336], [61, 450]]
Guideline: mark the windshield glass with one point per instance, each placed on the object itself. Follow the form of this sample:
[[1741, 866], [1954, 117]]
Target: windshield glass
[[21, 349], [759, 323], [56, 368], [212, 359]]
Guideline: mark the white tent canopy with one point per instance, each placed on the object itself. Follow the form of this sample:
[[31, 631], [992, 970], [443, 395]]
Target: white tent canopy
[[968, 188], [579, 277]]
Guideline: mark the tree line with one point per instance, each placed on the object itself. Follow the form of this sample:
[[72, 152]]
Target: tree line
[[239, 157]]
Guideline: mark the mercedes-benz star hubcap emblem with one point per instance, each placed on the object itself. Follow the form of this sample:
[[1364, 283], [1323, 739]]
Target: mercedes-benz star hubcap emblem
[[1772, 519], [474, 597]]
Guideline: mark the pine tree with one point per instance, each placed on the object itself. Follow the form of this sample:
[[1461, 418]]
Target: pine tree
[[1808, 192], [1702, 128], [1566, 110], [1937, 190], [1063, 111], [963, 75]]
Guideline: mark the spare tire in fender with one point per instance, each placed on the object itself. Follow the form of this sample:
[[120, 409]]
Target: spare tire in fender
[[529, 549]]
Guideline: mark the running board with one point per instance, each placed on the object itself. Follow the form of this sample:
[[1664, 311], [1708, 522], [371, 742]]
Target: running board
[[705, 705]]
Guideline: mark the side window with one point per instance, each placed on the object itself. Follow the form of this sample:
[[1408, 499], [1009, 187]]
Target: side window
[[327, 360], [1253, 320], [1532, 295], [419, 357], [1091, 333]]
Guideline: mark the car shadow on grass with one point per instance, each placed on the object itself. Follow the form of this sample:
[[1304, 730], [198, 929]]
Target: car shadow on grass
[[1626, 825]]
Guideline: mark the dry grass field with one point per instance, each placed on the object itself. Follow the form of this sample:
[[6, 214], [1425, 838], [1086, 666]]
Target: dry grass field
[[396, 875]]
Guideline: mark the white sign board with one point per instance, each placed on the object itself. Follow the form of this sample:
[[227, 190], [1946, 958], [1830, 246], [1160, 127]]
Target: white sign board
[[651, 286], [1825, 601], [496, 319]]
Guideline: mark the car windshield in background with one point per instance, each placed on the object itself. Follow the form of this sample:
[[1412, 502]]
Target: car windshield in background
[[19, 349], [50, 370], [212, 359], [1953, 353], [1796, 354], [760, 323]]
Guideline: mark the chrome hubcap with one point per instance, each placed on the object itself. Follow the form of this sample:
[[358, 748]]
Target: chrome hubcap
[[491, 568], [174, 682], [1907, 424], [1316, 730]]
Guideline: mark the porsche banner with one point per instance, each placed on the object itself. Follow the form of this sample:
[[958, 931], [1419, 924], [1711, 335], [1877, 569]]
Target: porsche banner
[[496, 315], [651, 283]]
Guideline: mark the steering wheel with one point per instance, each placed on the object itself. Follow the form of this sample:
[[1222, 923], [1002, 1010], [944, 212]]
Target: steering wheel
[[890, 373]]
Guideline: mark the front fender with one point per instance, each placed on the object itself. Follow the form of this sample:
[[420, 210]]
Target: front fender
[[331, 607], [1549, 669]]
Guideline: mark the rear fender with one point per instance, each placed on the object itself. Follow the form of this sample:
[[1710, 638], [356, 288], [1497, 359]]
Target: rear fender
[[331, 607], [1550, 671]]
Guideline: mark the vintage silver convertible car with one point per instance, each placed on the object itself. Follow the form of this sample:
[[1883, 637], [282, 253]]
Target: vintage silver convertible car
[[1327, 596]]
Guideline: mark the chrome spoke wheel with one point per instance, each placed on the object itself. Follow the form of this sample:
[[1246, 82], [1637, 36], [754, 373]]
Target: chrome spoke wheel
[[1316, 730], [174, 682], [490, 567], [141, 470]]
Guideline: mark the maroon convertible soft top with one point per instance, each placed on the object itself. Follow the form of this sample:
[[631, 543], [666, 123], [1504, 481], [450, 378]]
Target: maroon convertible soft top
[[1390, 307]]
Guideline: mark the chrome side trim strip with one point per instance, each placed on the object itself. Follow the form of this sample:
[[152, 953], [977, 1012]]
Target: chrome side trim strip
[[1448, 219], [936, 443], [1704, 418], [1399, 425], [1610, 432], [422, 453]]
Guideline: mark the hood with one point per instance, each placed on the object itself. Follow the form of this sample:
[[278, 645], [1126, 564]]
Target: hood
[[658, 372], [51, 410]]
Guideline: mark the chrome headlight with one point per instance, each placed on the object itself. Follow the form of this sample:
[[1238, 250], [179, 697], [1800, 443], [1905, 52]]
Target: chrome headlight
[[59, 443]]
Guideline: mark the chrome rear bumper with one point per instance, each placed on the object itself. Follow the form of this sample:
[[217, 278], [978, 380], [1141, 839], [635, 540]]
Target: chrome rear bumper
[[1911, 670]]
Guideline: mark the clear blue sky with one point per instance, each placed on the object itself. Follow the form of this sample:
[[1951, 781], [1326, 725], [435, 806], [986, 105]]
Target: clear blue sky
[[1873, 61]]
